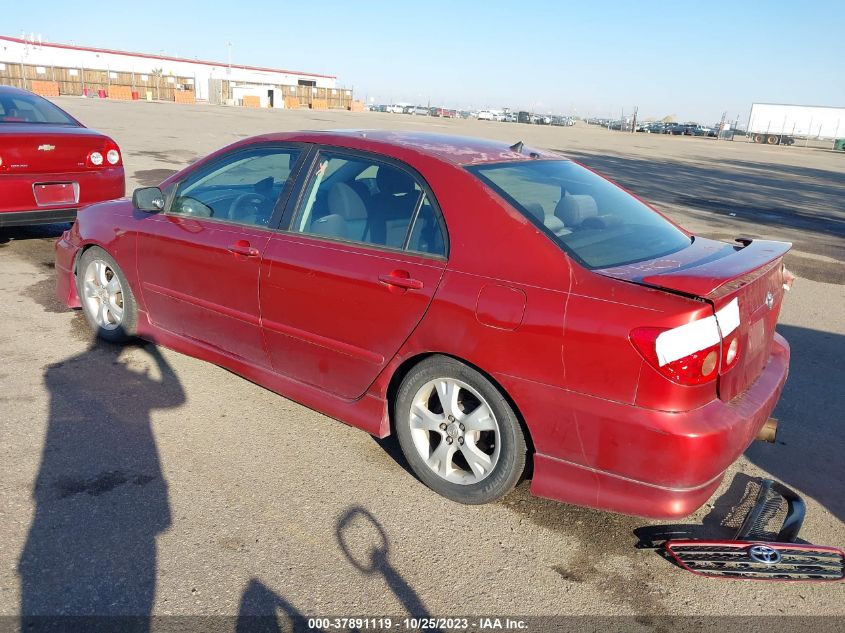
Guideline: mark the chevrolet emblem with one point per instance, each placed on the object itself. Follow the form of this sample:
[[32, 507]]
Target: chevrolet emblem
[[46, 147]]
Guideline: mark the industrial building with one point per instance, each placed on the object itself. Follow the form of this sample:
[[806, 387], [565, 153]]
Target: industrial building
[[80, 70]]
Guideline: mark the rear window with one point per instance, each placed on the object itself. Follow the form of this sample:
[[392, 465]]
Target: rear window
[[24, 108], [589, 217]]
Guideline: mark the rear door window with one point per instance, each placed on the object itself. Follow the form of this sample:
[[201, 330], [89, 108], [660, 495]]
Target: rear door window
[[357, 199]]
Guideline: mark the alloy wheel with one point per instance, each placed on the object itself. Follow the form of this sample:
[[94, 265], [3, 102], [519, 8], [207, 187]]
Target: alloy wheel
[[455, 431], [103, 294]]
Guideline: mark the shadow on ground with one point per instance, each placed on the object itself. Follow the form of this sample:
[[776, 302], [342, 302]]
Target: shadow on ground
[[366, 545], [808, 454], [37, 232], [100, 494]]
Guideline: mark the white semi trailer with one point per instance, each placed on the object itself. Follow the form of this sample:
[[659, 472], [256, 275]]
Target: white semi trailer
[[779, 124]]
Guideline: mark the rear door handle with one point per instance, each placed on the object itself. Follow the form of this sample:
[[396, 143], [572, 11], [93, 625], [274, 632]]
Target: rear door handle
[[401, 279], [242, 247]]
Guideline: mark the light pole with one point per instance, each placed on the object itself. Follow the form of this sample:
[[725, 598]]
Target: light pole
[[229, 51]]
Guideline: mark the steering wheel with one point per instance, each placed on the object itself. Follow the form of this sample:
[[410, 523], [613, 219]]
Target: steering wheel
[[252, 203]]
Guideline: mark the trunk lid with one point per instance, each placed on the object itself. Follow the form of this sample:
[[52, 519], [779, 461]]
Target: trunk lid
[[43, 149], [750, 272]]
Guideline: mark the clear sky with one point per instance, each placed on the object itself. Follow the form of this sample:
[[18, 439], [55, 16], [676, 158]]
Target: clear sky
[[690, 59]]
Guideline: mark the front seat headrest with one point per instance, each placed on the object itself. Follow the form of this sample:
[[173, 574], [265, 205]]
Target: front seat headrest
[[345, 202], [574, 209]]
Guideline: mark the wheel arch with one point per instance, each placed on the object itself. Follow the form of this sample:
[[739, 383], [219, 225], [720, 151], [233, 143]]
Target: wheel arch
[[409, 363]]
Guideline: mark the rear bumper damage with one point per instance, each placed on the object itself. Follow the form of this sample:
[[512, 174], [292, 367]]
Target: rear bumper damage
[[662, 465]]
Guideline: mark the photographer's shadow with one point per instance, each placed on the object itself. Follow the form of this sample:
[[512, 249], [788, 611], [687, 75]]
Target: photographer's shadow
[[100, 495]]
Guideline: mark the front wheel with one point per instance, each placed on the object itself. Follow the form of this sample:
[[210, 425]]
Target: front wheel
[[107, 300], [458, 432]]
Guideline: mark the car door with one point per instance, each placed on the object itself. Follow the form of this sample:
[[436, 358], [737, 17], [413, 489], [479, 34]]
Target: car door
[[198, 261], [348, 281]]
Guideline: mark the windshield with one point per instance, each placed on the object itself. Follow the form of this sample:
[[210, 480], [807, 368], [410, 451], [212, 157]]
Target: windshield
[[27, 108], [592, 219]]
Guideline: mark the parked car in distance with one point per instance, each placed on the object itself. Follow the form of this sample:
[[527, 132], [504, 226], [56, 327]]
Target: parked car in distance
[[523, 116], [396, 108], [352, 271], [699, 130], [50, 164], [651, 127], [485, 115]]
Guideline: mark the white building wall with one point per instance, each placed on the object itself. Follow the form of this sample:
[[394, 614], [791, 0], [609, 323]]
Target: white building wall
[[12, 51]]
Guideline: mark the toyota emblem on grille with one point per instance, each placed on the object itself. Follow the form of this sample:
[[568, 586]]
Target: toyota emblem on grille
[[46, 147], [764, 554], [770, 300]]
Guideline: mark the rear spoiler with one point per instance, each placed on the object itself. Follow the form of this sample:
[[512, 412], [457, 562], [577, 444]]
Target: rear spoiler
[[705, 280]]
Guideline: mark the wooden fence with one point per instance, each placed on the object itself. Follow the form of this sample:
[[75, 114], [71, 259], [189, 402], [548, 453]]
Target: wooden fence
[[93, 82]]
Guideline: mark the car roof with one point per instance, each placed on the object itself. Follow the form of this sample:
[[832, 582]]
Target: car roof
[[14, 90], [457, 150]]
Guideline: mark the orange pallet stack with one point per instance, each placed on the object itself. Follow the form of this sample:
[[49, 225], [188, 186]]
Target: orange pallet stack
[[121, 93], [251, 101], [45, 88], [291, 103], [356, 106], [319, 104], [185, 96]]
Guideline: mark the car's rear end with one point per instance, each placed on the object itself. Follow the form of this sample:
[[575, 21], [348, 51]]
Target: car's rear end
[[670, 360], [50, 165]]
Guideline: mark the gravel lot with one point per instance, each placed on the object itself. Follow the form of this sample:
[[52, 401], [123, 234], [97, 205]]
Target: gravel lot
[[194, 491]]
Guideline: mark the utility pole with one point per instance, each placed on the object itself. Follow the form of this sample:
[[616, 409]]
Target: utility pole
[[634, 122], [229, 50]]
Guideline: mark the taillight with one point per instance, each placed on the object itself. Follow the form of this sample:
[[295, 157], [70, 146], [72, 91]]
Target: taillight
[[108, 155], [730, 351], [788, 278], [2, 166], [693, 353], [692, 369]]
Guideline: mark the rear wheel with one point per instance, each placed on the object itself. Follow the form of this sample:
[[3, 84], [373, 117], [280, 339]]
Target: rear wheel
[[772, 140], [458, 432], [758, 138], [107, 300]]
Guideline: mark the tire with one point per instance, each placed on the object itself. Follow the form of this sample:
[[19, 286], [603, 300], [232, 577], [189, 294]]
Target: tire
[[474, 463], [758, 138], [109, 307], [771, 140]]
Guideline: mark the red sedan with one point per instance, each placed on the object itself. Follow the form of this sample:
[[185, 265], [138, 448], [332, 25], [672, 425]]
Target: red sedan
[[51, 164], [489, 304]]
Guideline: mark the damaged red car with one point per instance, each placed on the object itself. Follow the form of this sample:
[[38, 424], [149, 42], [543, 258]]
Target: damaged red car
[[51, 164], [496, 307]]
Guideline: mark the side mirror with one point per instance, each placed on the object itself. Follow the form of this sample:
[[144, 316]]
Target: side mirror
[[149, 199]]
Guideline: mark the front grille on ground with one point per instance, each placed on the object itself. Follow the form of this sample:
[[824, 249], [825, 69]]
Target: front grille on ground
[[768, 518], [762, 561]]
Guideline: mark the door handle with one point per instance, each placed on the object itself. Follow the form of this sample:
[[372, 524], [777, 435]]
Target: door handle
[[401, 279], [242, 247]]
